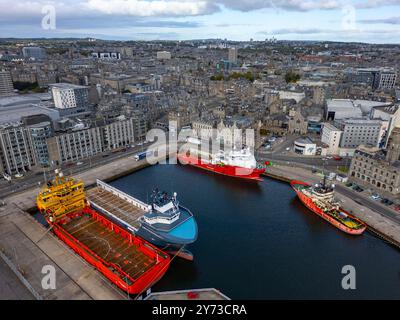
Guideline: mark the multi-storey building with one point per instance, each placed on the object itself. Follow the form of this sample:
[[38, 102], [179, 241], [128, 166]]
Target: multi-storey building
[[17, 153], [68, 96], [331, 136], [370, 167], [233, 55], [39, 133], [358, 132], [36, 53], [73, 146], [6, 85]]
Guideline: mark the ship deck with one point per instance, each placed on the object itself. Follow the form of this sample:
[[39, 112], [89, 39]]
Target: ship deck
[[109, 246], [118, 207]]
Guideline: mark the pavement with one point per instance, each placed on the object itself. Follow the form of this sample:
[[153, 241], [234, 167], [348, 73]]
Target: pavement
[[11, 287]]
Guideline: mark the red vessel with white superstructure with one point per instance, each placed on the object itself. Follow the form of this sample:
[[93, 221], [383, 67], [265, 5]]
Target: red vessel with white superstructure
[[237, 163], [320, 200]]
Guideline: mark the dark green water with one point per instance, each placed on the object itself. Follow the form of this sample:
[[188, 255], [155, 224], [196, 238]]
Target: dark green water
[[257, 241]]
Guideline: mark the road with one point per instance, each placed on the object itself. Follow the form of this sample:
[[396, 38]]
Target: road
[[369, 203], [34, 178], [311, 161]]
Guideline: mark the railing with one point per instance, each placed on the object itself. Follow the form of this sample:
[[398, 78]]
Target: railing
[[123, 195]]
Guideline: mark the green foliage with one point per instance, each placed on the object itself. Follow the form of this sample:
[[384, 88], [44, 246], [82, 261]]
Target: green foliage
[[238, 75], [292, 77], [217, 77], [25, 87]]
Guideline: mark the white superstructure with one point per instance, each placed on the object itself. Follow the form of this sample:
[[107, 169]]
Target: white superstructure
[[237, 158]]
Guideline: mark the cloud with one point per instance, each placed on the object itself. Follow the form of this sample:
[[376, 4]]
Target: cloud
[[172, 8], [368, 4], [144, 8], [316, 31], [393, 20], [291, 5]]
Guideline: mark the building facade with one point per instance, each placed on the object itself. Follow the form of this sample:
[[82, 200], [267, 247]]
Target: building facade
[[68, 96], [358, 132], [6, 85], [331, 136], [17, 154], [83, 144], [370, 167], [36, 53]]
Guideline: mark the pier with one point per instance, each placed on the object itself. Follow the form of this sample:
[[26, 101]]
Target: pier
[[26, 246]]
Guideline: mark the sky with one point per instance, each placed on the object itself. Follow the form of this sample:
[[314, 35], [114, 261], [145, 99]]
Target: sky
[[372, 21]]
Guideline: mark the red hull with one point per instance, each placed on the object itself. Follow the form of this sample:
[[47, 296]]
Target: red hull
[[118, 276], [231, 171], [310, 205]]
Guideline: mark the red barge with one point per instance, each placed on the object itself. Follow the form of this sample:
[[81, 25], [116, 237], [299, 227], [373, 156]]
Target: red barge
[[320, 200], [129, 262]]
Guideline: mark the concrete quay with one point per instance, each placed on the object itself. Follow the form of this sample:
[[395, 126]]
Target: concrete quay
[[381, 221], [26, 246]]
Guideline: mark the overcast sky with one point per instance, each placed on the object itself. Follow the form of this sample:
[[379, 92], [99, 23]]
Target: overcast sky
[[375, 21]]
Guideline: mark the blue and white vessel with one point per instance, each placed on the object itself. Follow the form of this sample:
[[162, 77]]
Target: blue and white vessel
[[165, 223]]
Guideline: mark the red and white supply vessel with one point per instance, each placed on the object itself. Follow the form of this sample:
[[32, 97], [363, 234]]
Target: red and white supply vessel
[[236, 163]]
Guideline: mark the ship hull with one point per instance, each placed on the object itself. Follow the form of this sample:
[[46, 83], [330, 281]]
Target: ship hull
[[311, 206], [117, 277], [226, 170], [162, 240]]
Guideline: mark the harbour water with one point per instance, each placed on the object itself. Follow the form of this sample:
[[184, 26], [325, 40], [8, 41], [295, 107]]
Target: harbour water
[[257, 241]]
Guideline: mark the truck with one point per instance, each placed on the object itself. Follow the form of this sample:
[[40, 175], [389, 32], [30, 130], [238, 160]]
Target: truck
[[143, 155]]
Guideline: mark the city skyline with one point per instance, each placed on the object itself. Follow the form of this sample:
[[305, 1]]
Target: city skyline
[[373, 21]]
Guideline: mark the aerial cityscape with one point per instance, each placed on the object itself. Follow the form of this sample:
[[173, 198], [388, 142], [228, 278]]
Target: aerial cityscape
[[199, 150]]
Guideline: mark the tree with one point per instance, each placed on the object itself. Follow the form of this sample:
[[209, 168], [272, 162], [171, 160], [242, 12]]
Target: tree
[[292, 77]]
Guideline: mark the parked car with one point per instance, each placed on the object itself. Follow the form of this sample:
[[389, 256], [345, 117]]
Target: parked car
[[387, 202], [349, 184], [337, 158], [375, 196], [397, 207]]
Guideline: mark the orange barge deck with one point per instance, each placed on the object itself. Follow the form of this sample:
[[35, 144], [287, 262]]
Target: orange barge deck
[[129, 262]]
